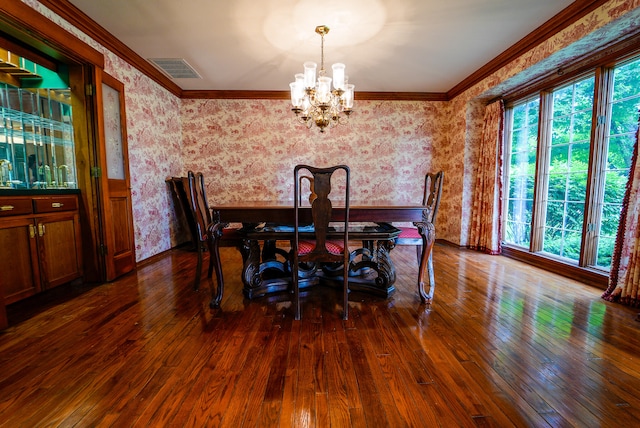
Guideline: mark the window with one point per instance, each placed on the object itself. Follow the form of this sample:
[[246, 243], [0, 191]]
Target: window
[[568, 153], [524, 141], [623, 121]]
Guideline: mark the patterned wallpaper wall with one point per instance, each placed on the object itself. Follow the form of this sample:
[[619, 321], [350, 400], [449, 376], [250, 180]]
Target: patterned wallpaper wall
[[463, 125], [247, 148], [155, 147]]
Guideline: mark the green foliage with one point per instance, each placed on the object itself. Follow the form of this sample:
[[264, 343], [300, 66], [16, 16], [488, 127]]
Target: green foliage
[[571, 123]]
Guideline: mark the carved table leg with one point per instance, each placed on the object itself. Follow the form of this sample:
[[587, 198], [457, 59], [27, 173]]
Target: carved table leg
[[378, 260], [251, 269], [267, 274], [386, 270]]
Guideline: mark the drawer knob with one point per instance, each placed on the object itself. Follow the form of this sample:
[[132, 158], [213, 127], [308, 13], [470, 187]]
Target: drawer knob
[[56, 205], [6, 207]]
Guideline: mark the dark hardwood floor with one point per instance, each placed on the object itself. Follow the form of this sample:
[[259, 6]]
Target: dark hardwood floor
[[503, 344]]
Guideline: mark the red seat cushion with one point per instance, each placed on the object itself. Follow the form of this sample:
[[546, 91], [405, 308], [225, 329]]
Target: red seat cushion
[[334, 247], [409, 232], [230, 233]]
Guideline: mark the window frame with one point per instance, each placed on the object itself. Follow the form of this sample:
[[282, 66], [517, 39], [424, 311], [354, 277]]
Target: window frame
[[584, 269]]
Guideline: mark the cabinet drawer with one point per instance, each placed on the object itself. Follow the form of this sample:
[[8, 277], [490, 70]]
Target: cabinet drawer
[[15, 206], [55, 204]]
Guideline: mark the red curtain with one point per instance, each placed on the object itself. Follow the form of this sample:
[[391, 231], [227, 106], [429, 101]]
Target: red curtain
[[487, 195], [624, 278]]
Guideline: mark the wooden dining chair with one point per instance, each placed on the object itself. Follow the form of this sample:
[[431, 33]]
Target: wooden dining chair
[[314, 247], [201, 216], [431, 201], [202, 220]]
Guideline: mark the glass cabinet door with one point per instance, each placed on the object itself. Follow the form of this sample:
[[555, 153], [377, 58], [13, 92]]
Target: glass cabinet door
[[36, 139]]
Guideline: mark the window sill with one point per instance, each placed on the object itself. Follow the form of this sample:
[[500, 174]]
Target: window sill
[[589, 276]]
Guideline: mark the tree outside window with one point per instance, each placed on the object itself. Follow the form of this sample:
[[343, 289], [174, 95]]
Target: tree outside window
[[558, 191]]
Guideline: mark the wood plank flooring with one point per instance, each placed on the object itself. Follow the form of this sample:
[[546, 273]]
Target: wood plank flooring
[[504, 344]]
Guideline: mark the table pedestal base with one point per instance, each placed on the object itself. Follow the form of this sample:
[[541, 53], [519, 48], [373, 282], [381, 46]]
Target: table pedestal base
[[269, 271]]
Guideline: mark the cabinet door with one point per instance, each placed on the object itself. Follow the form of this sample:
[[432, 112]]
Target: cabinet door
[[59, 248], [20, 276]]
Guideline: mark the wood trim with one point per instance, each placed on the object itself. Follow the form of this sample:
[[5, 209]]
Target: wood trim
[[401, 96], [25, 52], [541, 179], [235, 95], [507, 149], [588, 276], [604, 56], [285, 95], [29, 26], [85, 123], [566, 17], [85, 24], [594, 197], [562, 20], [115, 193]]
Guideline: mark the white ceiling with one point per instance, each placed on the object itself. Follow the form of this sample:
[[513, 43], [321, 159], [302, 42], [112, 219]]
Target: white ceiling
[[387, 45]]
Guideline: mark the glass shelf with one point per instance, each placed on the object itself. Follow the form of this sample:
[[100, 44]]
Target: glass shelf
[[37, 150]]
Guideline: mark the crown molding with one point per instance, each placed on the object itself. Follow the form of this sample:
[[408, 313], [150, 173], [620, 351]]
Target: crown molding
[[563, 19], [285, 95], [234, 95], [401, 96], [26, 25], [82, 22]]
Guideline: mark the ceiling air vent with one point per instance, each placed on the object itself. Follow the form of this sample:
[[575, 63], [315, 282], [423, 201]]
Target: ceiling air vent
[[176, 68]]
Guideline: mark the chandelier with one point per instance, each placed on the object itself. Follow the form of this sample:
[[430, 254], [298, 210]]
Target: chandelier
[[314, 101]]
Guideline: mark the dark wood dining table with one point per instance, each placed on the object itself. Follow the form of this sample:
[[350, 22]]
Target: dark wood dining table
[[254, 215]]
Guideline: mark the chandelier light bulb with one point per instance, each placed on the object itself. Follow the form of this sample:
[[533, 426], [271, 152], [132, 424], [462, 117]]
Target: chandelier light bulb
[[348, 96], [338, 76], [309, 74], [296, 95], [323, 90]]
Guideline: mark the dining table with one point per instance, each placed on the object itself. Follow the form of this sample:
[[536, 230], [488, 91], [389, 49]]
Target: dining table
[[265, 267]]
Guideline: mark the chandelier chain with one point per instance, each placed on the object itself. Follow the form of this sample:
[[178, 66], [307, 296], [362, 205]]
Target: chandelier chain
[[322, 72]]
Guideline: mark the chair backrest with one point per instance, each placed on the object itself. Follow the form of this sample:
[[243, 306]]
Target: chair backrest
[[312, 193], [322, 210], [199, 205], [432, 193]]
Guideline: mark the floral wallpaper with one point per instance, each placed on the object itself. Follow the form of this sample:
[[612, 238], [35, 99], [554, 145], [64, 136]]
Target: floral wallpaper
[[247, 148], [154, 139], [458, 154]]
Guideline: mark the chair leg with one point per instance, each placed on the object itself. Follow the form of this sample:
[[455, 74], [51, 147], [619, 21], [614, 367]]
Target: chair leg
[[214, 263], [345, 297], [196, 284], [419, 252], [296, 292], [345, 311], [426, 296], [432, 278]]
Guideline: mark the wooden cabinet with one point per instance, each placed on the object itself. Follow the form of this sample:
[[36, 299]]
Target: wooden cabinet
[[40, 244], [19, 259]]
